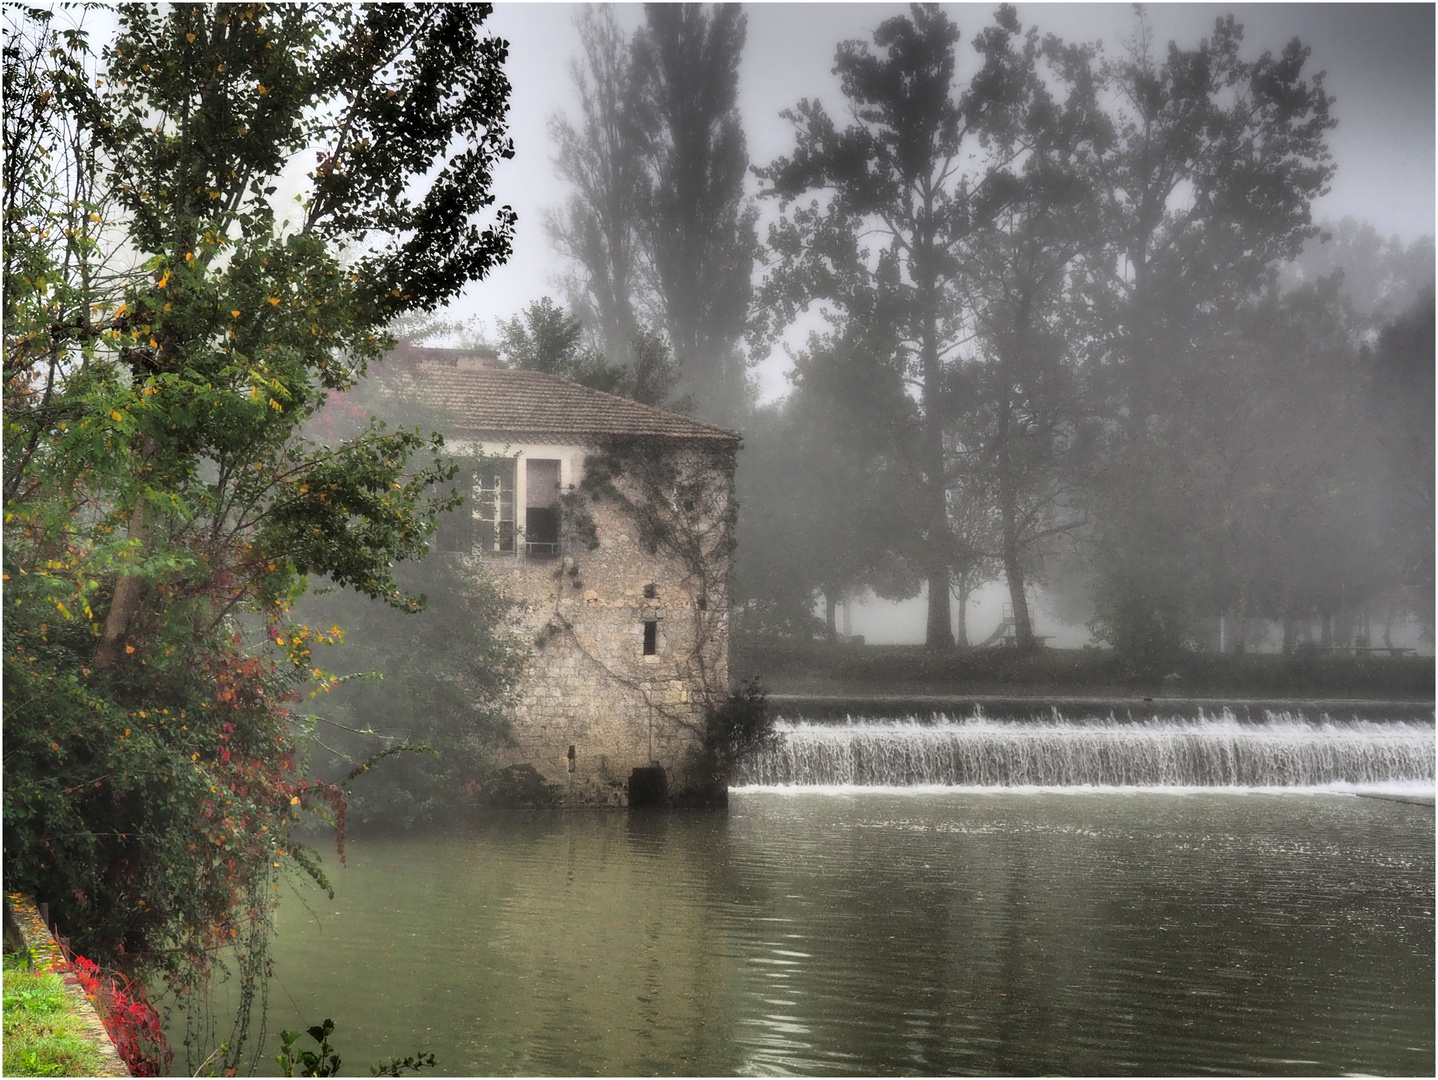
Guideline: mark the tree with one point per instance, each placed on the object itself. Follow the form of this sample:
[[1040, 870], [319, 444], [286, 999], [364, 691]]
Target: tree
[[163, 508], [1019, 397], [441, 678], [1402, 396], [547, 338], [697, 229], [658, 228], [1205, 186], [899, 173], [825, 491], [596, 230], [1382, 277]]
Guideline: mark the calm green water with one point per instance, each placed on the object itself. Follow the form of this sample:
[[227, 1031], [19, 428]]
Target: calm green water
[[887, 933]]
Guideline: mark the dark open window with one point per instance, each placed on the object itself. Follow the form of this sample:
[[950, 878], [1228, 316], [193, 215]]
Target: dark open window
[[651, 638], [541, 509]]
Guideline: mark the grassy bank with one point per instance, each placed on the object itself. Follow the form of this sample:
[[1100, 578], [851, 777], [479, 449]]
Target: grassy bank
[[816, 667], [45, 1034]]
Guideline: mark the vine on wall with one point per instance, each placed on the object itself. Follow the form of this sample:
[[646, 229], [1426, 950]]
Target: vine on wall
[[680, 500]]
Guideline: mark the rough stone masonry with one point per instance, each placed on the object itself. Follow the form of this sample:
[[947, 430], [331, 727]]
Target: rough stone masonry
[[609, 525]]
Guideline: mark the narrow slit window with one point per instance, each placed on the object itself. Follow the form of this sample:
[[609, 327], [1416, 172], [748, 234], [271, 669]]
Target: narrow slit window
[[651, 637]]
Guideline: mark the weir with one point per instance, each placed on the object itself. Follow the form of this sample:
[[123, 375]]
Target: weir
[[1281, 751]]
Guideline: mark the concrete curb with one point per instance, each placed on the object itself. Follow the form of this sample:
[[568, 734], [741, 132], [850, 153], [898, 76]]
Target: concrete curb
[[48, 954]]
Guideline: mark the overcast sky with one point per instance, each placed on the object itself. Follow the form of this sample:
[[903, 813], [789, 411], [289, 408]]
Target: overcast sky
[[1379, 60]]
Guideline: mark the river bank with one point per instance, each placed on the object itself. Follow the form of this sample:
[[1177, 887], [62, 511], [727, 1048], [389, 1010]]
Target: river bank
[[824, 669]]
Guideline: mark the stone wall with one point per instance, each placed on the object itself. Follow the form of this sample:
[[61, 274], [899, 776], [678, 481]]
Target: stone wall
[[593, 705], [22, 915]]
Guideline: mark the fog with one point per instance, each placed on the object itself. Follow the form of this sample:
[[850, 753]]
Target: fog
[[1252, 436], [1379, 59]]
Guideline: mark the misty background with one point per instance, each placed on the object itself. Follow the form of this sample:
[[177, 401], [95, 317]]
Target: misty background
[[1377, 207]]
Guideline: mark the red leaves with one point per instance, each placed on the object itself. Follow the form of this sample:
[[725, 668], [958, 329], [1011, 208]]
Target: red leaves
[[128, 1016]]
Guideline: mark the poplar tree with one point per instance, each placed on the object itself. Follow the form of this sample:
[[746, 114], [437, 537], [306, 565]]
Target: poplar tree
[[596, 229], [696, 227], [658, 229]]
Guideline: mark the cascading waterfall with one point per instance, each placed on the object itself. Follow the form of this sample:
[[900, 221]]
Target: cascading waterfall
[[1285, 750]]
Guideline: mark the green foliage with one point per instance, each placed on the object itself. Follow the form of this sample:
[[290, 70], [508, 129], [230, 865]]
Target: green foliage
[[442, 677], [546, 338], [294, 1062], [742, 724], [167, 333]]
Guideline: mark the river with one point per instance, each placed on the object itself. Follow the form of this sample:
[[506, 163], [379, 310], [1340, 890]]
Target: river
[[886, 931]]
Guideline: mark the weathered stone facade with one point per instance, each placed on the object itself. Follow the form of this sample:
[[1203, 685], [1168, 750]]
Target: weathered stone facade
[[610, 527], [598, 700]]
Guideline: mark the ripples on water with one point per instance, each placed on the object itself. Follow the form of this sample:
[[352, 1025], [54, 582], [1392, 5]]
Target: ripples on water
[[882, 934]]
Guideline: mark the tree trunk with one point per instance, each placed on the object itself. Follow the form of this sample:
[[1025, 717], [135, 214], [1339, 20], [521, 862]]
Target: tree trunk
[[125, 602], [829, 606], [1008, 510], [961, 639], [1240, 622]]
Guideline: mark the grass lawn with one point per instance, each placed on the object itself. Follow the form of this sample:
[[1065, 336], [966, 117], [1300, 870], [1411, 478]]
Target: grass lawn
[[43, 1032]]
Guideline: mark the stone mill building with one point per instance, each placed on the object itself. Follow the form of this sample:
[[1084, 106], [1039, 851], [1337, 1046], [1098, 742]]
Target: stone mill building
[[609, 524]]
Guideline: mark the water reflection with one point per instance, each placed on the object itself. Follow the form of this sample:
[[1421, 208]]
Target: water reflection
[[875, 934]]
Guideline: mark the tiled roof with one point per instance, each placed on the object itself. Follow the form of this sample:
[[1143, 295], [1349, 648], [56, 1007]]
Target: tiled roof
[[488, 403]]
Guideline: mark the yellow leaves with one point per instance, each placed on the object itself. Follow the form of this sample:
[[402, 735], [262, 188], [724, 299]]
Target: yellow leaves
[[129, 650], [190, 37], [294, 801], [235, 314], [163, 281], [273, 299], [263, 89], [115, 415]]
